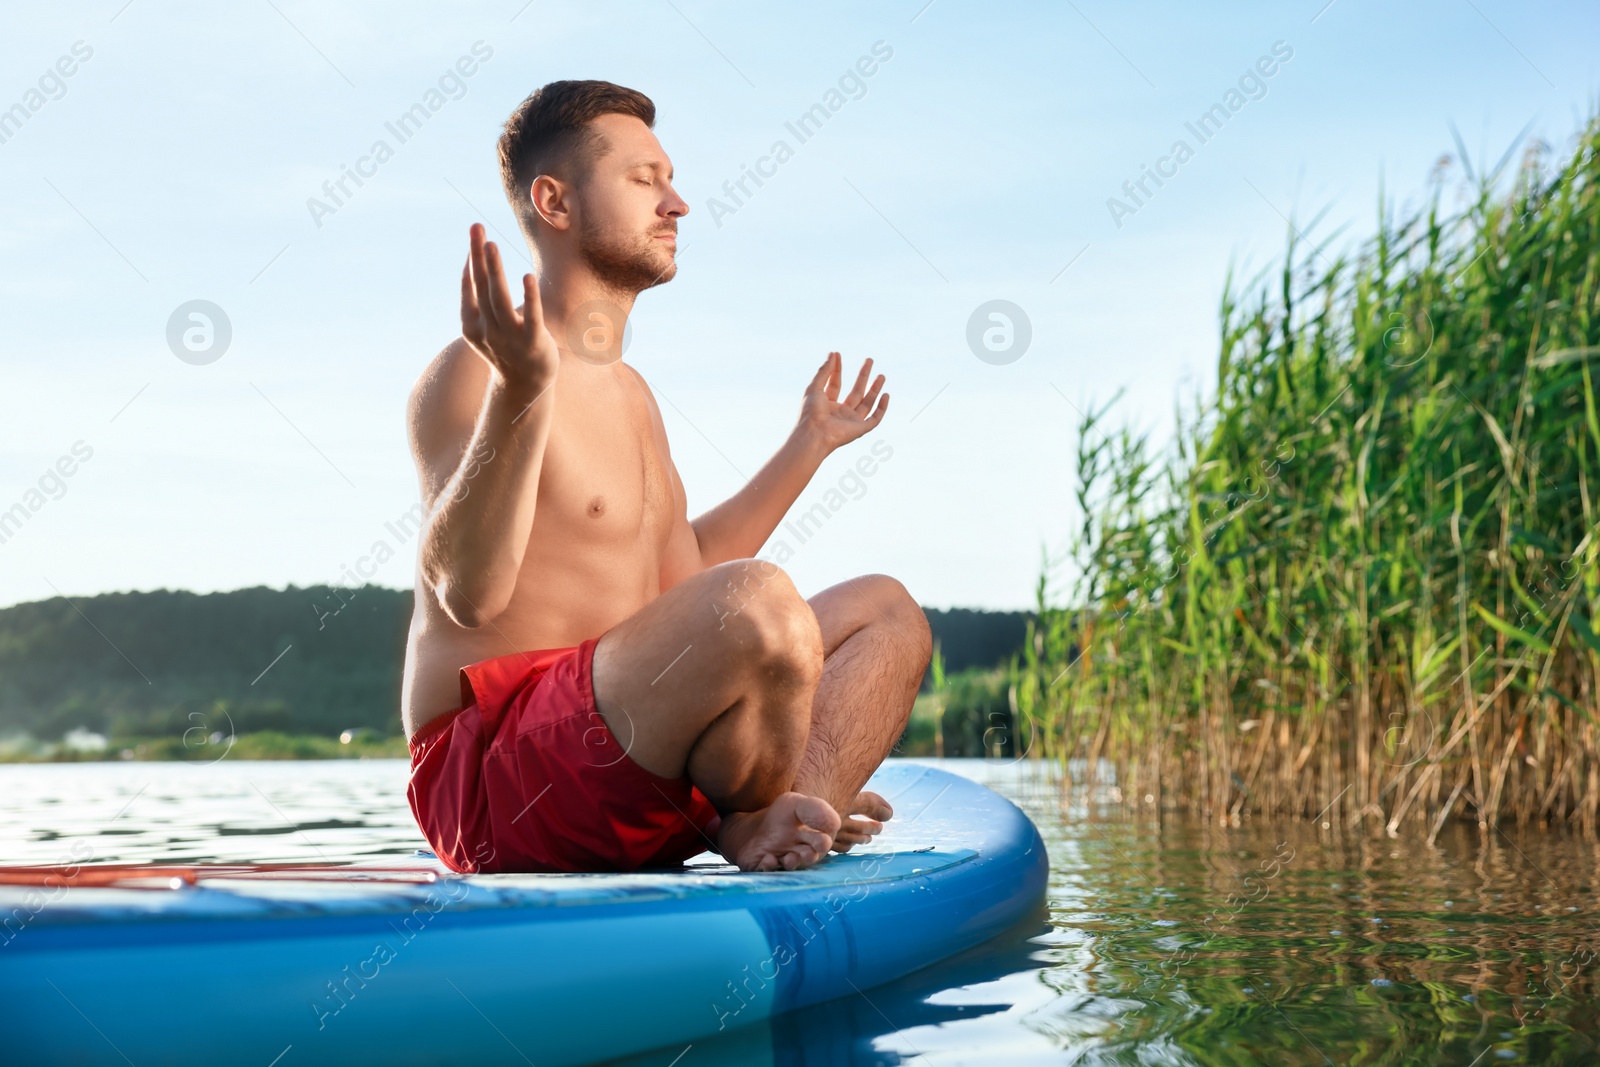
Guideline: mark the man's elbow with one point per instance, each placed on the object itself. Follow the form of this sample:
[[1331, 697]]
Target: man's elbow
[[465, 610]]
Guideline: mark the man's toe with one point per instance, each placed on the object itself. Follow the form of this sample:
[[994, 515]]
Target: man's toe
[[816, 841], [847, 841], [872, 806], [817, 814], [857, 825]]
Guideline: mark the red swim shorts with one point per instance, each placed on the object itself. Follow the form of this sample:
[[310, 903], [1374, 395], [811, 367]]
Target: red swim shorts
[[526, 776]]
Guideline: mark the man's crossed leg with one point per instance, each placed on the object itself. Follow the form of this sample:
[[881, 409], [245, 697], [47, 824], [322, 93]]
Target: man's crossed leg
[[777, 708]]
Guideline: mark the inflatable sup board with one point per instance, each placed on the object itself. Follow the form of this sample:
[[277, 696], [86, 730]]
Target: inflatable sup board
[[404, 962]]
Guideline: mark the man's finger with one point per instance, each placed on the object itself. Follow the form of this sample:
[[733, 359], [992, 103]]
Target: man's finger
[[877, 416], [861, 384], [480, 273], [820, 379], [532, 310], [866, 402], [470, 321], [499, 293]]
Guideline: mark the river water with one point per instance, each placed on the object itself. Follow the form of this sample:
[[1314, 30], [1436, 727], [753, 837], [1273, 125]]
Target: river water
[[1163, 941]]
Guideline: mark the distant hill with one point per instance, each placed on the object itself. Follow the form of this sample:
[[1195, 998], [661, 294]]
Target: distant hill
[[311, 660], [971, 638], [155, 664]]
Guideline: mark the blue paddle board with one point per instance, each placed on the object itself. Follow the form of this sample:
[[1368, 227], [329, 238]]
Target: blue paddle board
[[404, 962]]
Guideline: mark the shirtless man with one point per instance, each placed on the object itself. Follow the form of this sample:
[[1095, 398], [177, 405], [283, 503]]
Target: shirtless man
[[593, 681]]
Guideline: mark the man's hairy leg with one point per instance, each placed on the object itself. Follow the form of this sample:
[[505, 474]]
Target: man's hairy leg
[[716, 678], [876, 645]]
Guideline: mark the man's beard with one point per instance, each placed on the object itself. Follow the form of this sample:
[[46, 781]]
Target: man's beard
[[627, 263]]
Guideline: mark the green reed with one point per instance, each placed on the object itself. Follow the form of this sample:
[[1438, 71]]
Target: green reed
[[1364, 579]]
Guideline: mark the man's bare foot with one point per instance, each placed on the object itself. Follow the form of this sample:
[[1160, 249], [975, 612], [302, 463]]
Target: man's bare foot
[[866, 817], [792, 832]]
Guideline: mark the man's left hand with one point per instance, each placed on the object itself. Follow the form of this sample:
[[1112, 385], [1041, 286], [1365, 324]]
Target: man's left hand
[[837, 422]]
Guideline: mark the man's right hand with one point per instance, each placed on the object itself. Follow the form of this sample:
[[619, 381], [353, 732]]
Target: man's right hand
[[517, 347]]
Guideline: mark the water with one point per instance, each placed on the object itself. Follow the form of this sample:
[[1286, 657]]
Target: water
[[1163, 943]]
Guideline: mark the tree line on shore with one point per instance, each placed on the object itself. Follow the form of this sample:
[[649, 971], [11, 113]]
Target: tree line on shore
[[316, 660]]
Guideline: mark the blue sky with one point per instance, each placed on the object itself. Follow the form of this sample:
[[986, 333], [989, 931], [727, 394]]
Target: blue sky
[[974, 164]]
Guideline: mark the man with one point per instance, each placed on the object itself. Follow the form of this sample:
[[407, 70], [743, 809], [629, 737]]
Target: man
[[593, 682]]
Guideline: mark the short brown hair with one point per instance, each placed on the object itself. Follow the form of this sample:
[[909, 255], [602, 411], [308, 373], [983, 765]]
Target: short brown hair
[[549, 133]]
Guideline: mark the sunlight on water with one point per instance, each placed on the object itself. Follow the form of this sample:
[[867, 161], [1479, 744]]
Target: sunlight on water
[[1164, 942], [227, 812]]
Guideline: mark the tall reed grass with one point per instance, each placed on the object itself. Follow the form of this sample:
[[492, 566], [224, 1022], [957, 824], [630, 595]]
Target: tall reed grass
[[1363, 583]]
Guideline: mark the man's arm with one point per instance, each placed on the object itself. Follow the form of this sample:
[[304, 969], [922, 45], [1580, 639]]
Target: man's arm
[[740, 525], [480, 471]]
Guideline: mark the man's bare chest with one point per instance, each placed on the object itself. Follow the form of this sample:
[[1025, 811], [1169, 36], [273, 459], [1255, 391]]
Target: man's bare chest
[[606, 477]]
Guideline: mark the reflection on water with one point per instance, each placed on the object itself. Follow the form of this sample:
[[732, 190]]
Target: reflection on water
[[228, 812], [1164, 942]]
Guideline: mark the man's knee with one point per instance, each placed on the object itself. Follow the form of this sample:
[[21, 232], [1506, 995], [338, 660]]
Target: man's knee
[[767, 615], [894, 606]]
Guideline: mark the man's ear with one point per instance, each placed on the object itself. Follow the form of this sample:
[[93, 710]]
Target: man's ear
[[552, 200]]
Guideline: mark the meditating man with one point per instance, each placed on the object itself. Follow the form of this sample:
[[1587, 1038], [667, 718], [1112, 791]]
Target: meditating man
[[594, 682]]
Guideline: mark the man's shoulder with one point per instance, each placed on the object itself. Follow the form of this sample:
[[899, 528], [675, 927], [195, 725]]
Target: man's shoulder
[[456, 368], [652, 409], [638, 379]]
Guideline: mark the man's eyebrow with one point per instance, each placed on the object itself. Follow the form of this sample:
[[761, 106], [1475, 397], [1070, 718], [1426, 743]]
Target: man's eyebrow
[[652, 164]]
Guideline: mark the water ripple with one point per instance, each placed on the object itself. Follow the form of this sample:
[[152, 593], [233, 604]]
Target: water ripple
[[1165, 941]]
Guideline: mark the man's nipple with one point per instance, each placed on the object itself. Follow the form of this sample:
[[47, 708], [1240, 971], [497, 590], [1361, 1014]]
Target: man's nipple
[[597, 507]]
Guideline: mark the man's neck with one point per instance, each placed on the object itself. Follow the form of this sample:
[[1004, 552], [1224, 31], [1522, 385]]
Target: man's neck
[[568, 292]]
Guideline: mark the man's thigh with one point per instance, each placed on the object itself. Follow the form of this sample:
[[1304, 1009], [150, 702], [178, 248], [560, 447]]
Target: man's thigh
[[665, 673]]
